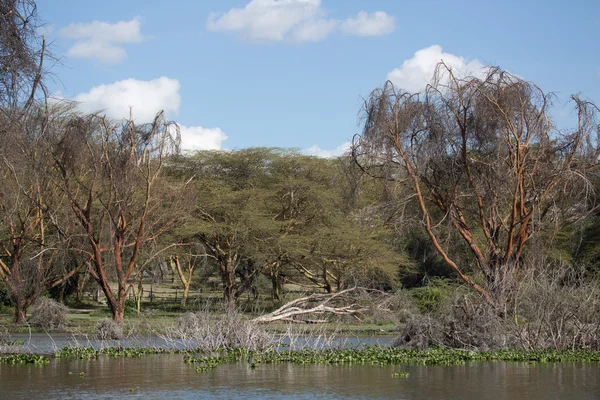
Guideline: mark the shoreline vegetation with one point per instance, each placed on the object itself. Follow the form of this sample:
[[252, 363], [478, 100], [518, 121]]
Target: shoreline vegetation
[[370, 355], [463, 221]]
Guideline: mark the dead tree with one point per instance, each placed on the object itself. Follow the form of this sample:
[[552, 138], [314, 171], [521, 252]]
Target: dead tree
[[111, 174], [340, 304], [483, 157]]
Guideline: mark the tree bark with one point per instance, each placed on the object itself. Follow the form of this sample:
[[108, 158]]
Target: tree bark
[[118, 311], [186, 291], [20, 317], [228, 279], [276, 285]]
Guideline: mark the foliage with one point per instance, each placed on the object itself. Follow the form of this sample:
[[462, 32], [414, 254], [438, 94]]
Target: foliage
[[24, 359], [90, 353], [428, 298], [5, 298], [281, 214], [375, 355]]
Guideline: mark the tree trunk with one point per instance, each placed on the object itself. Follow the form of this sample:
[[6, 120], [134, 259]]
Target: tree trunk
[[186, 291], [228, 291], [139, 295], [326, 284], [80, 286], [20, 312], [276, 286], [118, 311], [61, 293], [501, 283], [228, 280]]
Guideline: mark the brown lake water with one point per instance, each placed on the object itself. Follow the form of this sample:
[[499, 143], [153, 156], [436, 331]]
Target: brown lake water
[[168, 377]]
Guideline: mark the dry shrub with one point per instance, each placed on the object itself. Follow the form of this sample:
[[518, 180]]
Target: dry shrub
[[466, 321], [555, 307], [558, 309], [4, 334], [107, 329], [48, 315], [199, 330]]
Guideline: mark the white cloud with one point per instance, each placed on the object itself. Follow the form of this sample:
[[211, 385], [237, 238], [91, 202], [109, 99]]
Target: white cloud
[[417, 72], [365, 24], [198, 138], [294, 20], [265, 20], [144, 98], [319, 152], [101, 40], [314, 30]]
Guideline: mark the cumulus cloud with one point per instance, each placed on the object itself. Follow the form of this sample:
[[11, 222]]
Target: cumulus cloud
[[294, 20], [195, 138], [365, 24], [416, 72], [315, 150], [144, 98], [102, 41], [314, 30], [265, 20]]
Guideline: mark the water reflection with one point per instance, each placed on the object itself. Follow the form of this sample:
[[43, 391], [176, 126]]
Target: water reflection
[[166, 376], [44, 344]]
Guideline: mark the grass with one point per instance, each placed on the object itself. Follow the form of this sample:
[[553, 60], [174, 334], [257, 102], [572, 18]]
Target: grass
[[165, 308]]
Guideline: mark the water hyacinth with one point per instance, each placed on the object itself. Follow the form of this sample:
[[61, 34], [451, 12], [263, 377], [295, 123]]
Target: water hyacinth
[[14, 359]]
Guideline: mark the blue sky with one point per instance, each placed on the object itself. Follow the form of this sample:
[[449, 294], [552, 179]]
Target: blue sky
[[292, 73]]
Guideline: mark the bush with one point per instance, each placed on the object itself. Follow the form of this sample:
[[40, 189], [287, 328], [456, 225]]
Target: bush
[[428, 299], [48, 315], [553, 308], [5, 297], [229, 332], [466, 322], [4, 335], [558, 309], [107, 329]]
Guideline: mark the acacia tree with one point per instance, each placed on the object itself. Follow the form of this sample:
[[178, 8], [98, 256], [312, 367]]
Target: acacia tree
[[299, 199], [30, 235], [189, 260], [229, 215], [111, 174], [35, 234], [322, 240], [482, 156]]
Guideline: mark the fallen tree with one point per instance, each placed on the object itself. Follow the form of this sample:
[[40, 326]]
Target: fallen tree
[[345, 302]]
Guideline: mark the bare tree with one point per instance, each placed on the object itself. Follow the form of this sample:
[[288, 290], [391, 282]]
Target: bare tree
[[30, 235], [483, 157], [35, 234], [22, 55], [111, 176]]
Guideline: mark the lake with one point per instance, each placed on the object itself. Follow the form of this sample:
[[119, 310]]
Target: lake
[[167, 376]]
